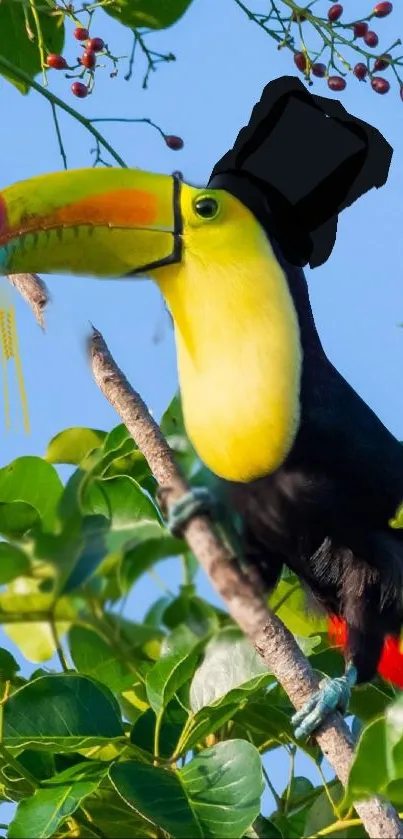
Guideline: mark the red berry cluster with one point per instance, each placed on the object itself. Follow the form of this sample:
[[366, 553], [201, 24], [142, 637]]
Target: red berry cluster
[[360, 29], [86, 66], [86, 61]]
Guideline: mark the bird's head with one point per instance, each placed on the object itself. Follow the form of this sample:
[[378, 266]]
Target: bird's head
[[236, 327]]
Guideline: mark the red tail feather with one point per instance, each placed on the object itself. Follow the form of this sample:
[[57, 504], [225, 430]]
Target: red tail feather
[[390, 665]]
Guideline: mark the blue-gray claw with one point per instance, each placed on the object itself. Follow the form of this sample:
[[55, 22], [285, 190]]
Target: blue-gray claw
[[196, 502], [333, 695]]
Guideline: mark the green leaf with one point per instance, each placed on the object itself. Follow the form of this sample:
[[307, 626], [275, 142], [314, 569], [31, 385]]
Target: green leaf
[[13, 563], [114, 818], [229, 675], [150, 13], [135, 635], [378, 759], [231, 668], [35, 482], [173, 721], [137, 784], [8, 665], [18, 48], [134, 465], [73, 444], [308, 645], [173, 428], [369, 772], [369, 701], [90, 549], [41, 764], [122, 500], [262, 828], [172, 422], [58, 798], [61, 712], [321, 813], [116, 438], [269, 726], [34, 638], [93, 656], [154, 615], [289, 602], [17, 518], [187, 608], [144, 554], [225, 784], [216, 795], [176, 665]]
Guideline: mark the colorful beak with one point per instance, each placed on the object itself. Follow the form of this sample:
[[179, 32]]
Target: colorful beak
[[95, 222]]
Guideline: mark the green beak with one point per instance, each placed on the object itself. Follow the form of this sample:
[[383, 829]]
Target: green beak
[[95, 222]]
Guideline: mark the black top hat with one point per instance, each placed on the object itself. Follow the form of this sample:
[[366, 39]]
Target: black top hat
[[298, 163]]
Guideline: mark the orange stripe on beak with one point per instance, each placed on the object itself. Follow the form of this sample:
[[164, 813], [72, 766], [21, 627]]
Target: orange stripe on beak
[[123, 208]]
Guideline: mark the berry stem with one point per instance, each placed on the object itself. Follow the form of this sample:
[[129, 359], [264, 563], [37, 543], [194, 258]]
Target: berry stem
[[59, 135], [127, 119], [24, 77]]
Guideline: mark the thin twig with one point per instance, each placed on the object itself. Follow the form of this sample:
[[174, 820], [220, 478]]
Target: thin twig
[[34, 291], [270, 637], [59, 135]]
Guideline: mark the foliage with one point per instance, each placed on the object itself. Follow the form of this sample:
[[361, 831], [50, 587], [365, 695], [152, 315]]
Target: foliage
[[37, 36], [181, 703]]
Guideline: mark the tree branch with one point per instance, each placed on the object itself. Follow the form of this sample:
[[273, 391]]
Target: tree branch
[[34, 291], [269, 636]]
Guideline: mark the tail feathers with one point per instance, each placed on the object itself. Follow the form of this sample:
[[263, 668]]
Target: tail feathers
[[390, 665]]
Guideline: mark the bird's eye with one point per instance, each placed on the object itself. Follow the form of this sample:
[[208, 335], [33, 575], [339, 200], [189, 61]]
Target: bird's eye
[[206, 207]]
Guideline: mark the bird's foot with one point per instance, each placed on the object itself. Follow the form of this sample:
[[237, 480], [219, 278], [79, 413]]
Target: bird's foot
[[198, 501], [333, 695]]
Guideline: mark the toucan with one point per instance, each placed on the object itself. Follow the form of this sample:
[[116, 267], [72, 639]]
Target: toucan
[[312, 475]]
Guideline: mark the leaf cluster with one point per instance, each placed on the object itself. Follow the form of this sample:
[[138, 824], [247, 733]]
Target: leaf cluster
[[165, 728]]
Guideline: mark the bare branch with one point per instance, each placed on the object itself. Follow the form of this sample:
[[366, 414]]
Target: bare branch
[[34, 291], [270, 637]]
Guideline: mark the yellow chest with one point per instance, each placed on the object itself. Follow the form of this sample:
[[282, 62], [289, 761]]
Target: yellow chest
[[239, 362]]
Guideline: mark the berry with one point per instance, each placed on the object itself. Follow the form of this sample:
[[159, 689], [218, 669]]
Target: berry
[[81, 34], [335, 12], [79, 89], [300, 61], [95, 45], [360, 28], [318, 70], [382, 9], [380, 85], [56, 62], [174, 142], [382, 63], [88, 59], [360, 71], [336, 83], [371, 39]]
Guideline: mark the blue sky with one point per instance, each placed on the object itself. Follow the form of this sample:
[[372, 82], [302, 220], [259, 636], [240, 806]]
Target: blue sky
[[223, 62]]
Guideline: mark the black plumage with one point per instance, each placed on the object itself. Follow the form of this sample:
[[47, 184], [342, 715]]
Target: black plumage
[[325, 513]]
